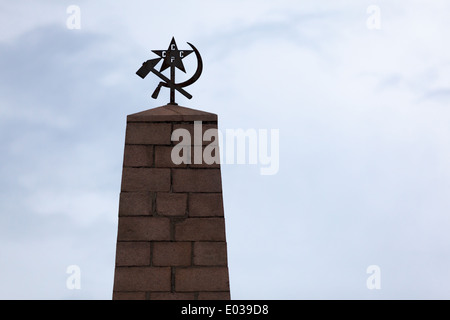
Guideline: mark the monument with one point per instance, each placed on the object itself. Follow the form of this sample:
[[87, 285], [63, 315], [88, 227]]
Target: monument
[[171, 240]]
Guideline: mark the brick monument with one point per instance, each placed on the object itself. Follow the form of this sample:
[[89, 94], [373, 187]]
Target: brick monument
[[171, 241]]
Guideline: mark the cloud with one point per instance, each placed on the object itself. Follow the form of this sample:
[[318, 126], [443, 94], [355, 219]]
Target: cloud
[[363, 126]]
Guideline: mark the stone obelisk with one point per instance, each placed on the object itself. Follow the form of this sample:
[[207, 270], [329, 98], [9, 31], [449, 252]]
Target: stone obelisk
[[171, 241]]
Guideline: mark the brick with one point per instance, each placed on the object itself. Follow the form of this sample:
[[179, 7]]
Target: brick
[[200, 229], [135, 203], [142, 279], [145, 179], [205, 205], [204, 157], [213, 161], [138, 156], [148, 133], [210, 156], [172, 296], [171, 204], [201, 279], [133, 254], [190, 128], [143, 229], [196, 180], [172, 254], [224, 295], [210, 253], [163, 158], [129, 295]]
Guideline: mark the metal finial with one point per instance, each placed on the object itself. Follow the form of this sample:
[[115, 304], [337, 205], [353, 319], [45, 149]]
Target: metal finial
[[172, 58]]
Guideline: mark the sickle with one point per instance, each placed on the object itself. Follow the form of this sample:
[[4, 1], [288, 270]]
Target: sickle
[[188, 82], [197, 73]]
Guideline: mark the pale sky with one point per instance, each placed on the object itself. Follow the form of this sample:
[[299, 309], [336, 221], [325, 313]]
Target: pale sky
[[362, 112]]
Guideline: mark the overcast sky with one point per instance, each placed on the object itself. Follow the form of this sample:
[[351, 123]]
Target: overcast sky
[[362, 109]]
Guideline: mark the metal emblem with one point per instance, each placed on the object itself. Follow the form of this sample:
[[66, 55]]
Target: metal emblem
[[172, 58]]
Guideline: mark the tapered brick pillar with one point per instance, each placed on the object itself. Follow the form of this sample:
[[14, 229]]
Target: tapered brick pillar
[[171, 233]]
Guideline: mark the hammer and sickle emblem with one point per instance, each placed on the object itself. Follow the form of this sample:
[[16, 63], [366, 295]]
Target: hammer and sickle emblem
[[172, 58]]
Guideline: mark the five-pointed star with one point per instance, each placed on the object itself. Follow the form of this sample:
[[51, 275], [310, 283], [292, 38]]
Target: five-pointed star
[[172, 56]]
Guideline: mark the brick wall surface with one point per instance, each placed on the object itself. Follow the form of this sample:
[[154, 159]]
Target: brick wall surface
[[171, 240]]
